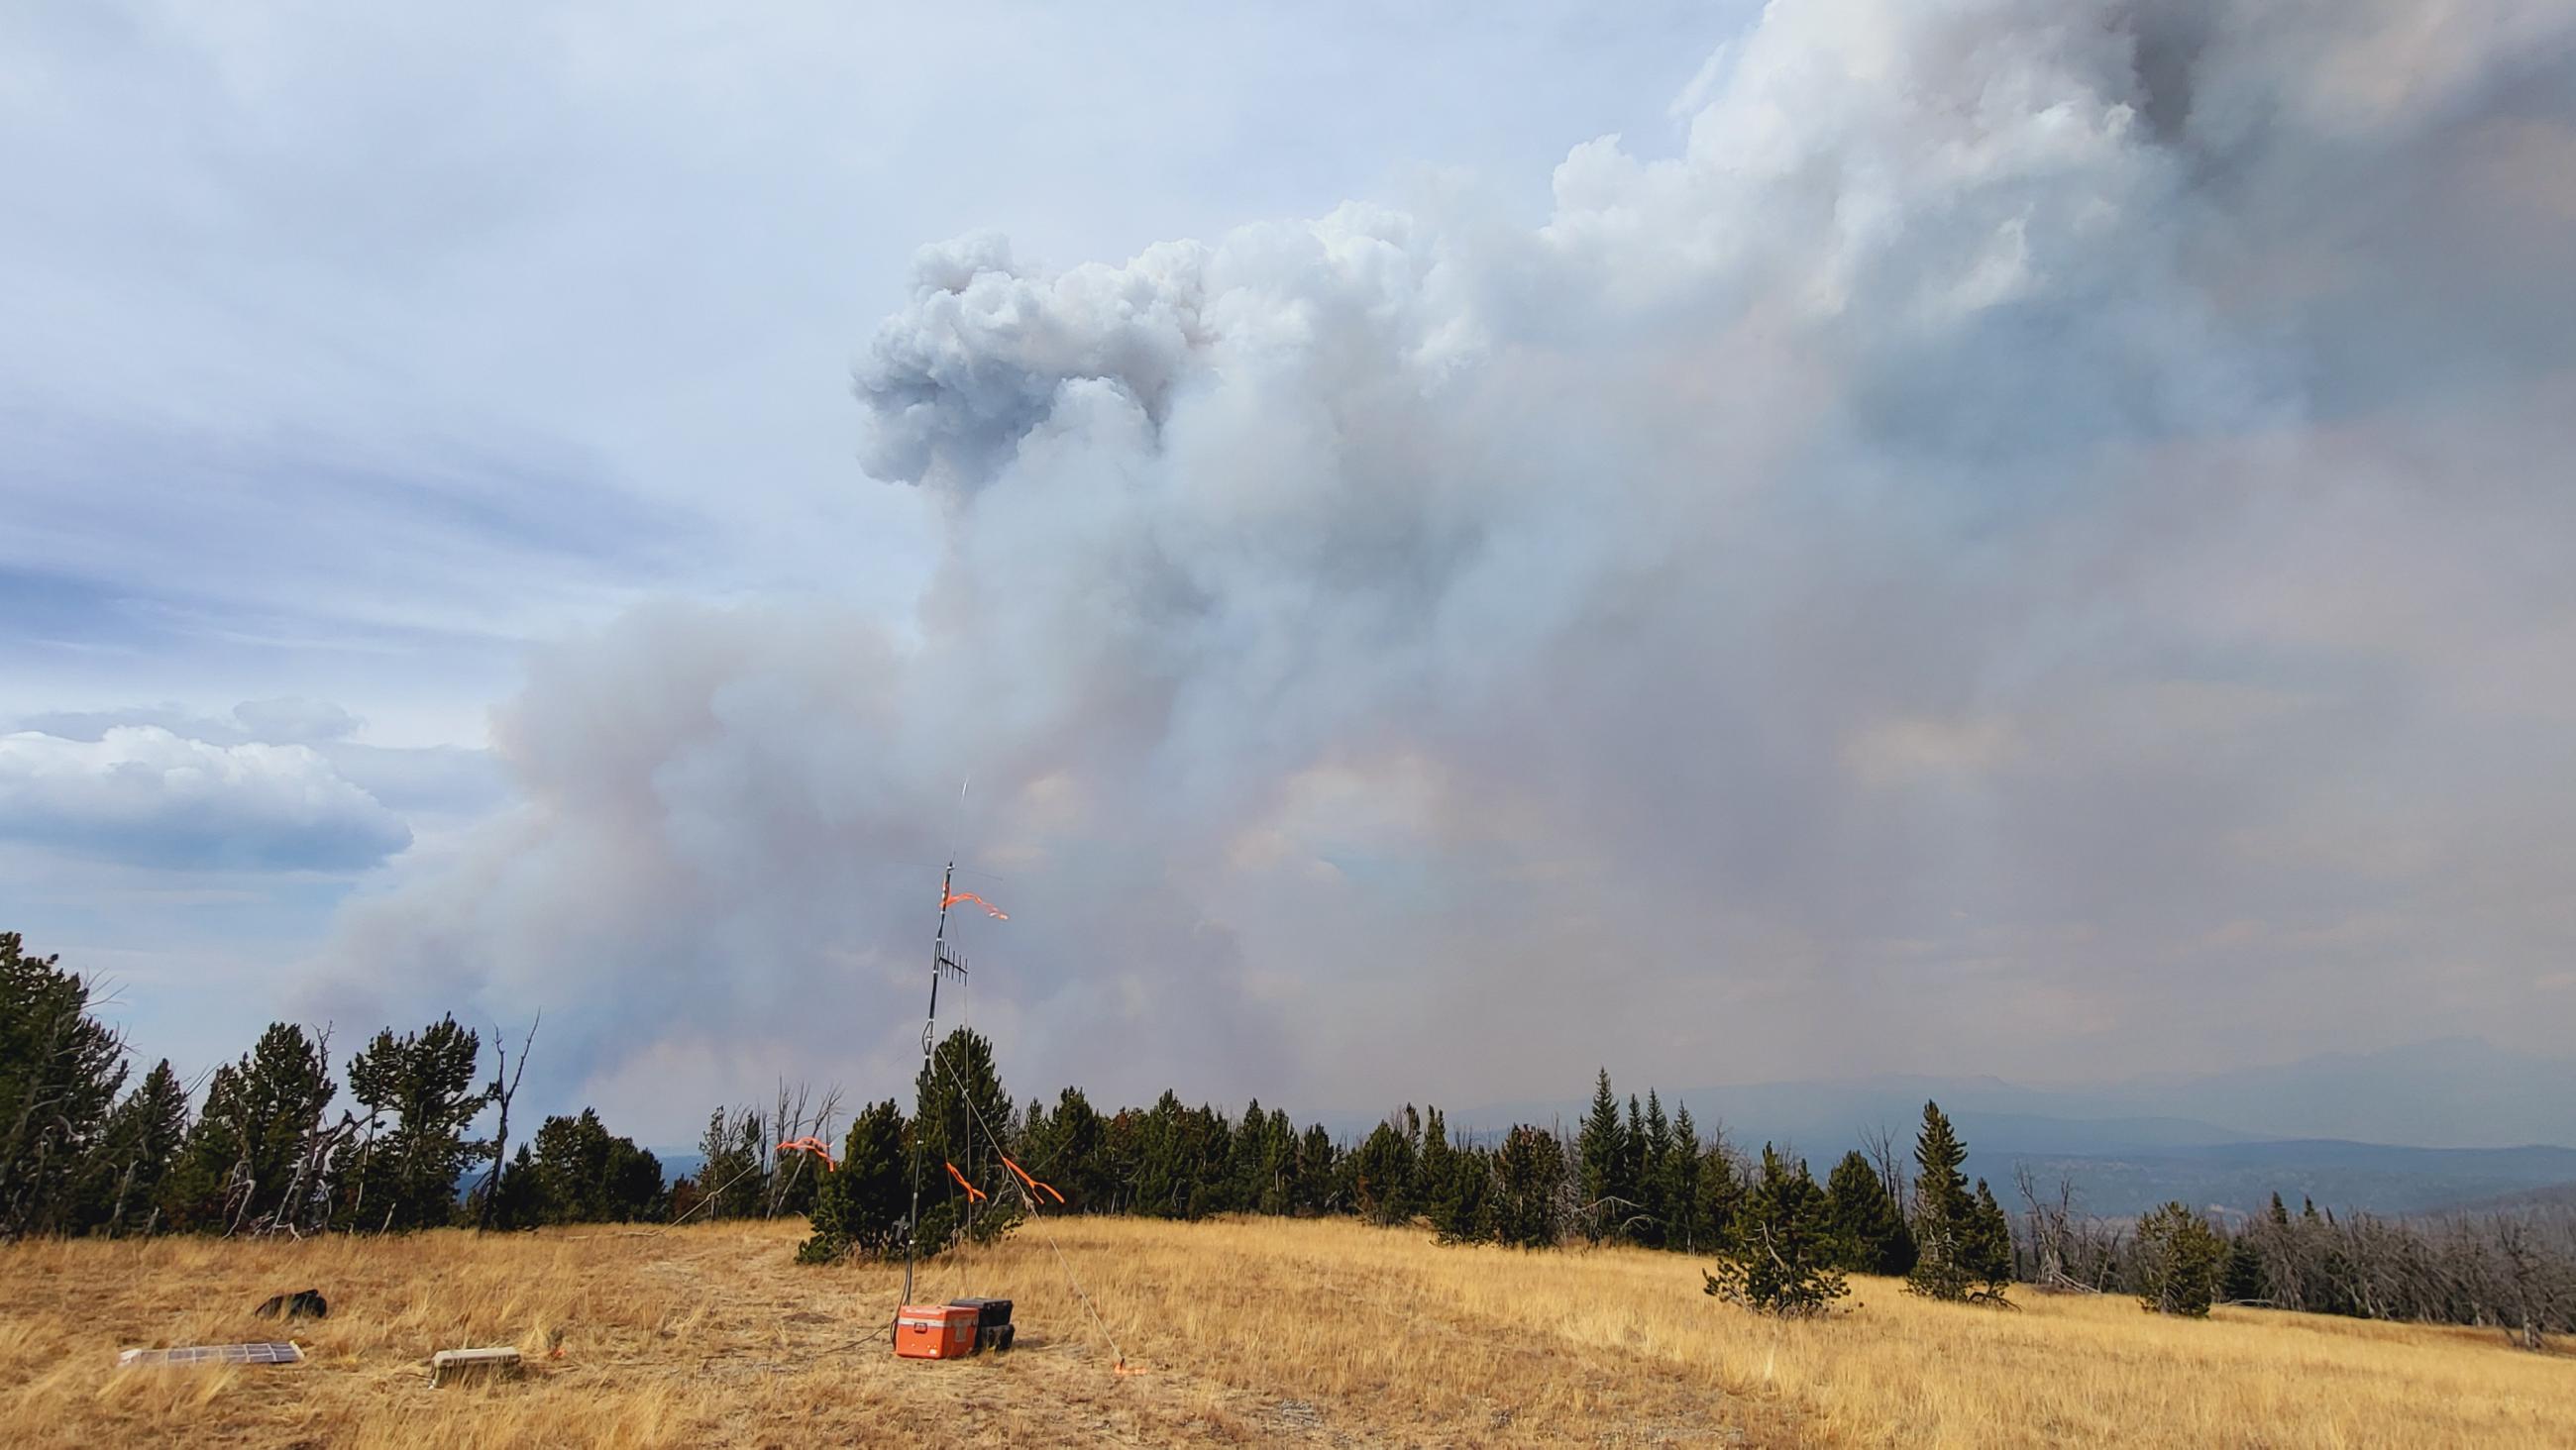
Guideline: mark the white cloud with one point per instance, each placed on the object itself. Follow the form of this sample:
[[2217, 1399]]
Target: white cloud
[[142, 795]]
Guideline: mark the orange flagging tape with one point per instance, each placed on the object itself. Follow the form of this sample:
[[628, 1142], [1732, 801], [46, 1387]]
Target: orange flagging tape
[[1034, 1185], [972, 1192], [954, 897], [813, 1146]]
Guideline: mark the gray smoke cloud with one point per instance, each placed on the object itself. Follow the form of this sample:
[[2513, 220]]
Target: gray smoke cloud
[[2035, 540]]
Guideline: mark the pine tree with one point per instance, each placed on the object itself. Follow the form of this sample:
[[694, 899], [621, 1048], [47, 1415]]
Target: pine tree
[[1721, 1195], [1989, 1258], [959, 1104], [1869, 1235], [1656, 1217], [518, 1198], [1383, 1184], [1247, 1158], [859, 1206], [1784, 1262], [1682, 1166], [59, 1074], [1278, 1163], [2242, 1282], [1456, 1184], [2179, 1262], [1529, 1189], [138, 1147], [1318, 1165], [1627, 1213], [1432, 1165], [582, 1173], [1074, 1165], [1162, 1182], [245, 1157], [425, 1082], [1943, 1239], [1602, 1146]]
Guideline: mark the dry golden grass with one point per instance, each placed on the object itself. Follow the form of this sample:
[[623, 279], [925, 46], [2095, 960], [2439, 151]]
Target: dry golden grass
[[1254, 1332]]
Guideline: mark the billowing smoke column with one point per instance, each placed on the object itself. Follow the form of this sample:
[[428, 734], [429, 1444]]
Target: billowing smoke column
[[2040, 529]]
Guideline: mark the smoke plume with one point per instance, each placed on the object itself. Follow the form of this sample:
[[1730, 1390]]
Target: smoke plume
[[2035, 539]]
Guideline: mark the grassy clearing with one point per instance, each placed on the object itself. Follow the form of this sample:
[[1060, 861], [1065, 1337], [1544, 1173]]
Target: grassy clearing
[[1252, 1332]]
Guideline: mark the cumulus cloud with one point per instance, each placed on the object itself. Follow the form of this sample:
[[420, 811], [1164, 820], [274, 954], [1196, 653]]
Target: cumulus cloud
[[143, 795], [1949, 565]]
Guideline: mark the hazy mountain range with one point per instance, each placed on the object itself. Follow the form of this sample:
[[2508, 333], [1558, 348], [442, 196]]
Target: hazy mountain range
[[2405, 1130]]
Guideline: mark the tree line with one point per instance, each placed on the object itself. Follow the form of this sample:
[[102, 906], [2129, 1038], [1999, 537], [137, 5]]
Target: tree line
[[264, 1152]]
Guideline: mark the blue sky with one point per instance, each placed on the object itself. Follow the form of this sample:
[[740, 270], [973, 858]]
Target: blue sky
[[1991, 523]]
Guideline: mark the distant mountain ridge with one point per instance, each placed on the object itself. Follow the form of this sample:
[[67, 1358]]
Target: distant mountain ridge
[[2411, 1129]]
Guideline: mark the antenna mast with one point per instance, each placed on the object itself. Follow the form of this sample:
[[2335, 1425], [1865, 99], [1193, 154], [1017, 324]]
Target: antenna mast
[[941, 964]]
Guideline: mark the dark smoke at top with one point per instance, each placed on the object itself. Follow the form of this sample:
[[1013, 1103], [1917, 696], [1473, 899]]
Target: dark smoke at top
[[2037, 540]]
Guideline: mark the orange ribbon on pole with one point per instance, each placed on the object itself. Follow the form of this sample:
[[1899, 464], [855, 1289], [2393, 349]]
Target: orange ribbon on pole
[[954, 897], [1034, 1185], [813, 1146], [973, 1193]]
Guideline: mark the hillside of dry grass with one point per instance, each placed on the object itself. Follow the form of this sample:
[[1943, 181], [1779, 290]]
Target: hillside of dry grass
[[1255, 1332]]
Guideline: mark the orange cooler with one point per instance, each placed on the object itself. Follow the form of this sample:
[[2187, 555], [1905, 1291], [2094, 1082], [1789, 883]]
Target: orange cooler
[[935, 1331]]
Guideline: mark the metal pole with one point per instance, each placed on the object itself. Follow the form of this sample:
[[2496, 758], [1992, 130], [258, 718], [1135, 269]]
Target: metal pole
[[938, 964]]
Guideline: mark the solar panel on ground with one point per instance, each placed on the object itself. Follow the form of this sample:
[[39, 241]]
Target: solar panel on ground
[[215, 1354]]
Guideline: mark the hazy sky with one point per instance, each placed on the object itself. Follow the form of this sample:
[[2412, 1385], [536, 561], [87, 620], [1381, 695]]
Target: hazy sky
[[1454, 543]]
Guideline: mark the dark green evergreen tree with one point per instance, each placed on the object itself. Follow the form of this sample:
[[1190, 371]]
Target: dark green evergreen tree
[[1318, 1165], [1164, 1170], [1383, 1181], [245, 1163], [1681, 1188], [1432, 1162], [959, 1107], [1943, 1241], [859, 1206], [1656, 1216], [1244, 1158], [1278, 1164], [518, 1196], [1601, 1146], [1721, 1196], [1457, 1185], [1784, 1259], [2179, 1262], [1989, 1240], [137, 1151], [1064, 1149], [419, 1090], [1870, 1235], [582, 1173], [59, 1074], [2242, 1281], [1530, 1189]]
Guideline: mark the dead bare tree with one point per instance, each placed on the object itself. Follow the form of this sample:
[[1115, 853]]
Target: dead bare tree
[[1880, 1144], [795, 1114], [505, 1086], [2055, 1234]]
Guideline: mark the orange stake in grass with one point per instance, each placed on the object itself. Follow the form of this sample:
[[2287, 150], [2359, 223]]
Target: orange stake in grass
[[972, 1192]]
